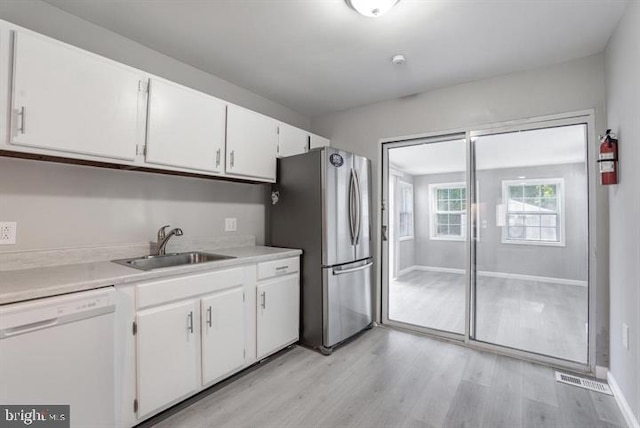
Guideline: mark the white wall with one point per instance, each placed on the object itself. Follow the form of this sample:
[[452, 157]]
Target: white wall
[[622, 65], [570, 86]]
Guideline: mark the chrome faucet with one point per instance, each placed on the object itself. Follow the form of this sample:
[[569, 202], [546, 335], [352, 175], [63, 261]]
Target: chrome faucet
[[163, 238]]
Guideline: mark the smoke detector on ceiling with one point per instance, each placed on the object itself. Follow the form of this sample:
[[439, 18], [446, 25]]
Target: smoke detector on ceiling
[[372, 8], [398, 59]]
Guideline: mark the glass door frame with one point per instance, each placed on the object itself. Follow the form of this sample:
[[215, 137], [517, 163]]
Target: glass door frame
[[585, 117]]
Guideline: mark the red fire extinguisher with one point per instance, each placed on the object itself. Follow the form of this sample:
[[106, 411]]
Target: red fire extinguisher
[[608, 159]]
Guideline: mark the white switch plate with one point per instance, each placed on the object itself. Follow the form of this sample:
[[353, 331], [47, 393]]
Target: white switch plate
[[230, 224], [8, 232], [625, 336]]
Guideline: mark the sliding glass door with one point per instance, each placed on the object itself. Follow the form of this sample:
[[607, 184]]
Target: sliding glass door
[[427, 231], [503, 262], [531, 288]]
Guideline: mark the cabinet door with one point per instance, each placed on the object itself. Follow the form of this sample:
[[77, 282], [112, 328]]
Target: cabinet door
[[167, 342], [252, 144], [318, 141], [223, 317], [185, 128], [292, 140], [278, 304], [69, 100]]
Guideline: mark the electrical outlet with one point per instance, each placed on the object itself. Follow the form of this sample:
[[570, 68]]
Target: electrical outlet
[[8, 232], [230, 224], [625, 336]]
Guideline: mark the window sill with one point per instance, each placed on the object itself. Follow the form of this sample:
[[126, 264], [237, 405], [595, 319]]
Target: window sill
[[448, 238], [406, 238], [535, 243]]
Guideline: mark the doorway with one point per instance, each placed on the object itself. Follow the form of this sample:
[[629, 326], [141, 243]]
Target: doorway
[[487, 238]]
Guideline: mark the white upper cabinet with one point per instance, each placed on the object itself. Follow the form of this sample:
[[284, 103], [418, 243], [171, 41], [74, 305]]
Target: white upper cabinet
[[252, 144], [185, 128], [318, 141], [292, 140], [65, 99]]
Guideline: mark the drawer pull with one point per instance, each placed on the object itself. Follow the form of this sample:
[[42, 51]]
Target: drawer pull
[[280, 268]]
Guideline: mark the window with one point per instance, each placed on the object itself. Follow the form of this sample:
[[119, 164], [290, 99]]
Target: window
[[449, 211], [533, 212], [405, 206]]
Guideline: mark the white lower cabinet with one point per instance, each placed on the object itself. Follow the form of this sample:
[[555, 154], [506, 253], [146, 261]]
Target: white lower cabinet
[[167, 349], [223, 334], [194, 330], [277, 320]]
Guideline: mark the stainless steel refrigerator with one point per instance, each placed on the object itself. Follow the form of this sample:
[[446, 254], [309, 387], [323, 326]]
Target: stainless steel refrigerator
[[321, 203]]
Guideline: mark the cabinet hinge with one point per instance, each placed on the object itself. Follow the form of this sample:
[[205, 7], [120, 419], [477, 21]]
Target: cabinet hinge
[[143, 86], [278, 130], [134, 328], [135, 405]]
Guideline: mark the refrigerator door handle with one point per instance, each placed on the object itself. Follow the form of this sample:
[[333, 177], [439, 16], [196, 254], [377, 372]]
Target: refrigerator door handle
[[343, 271], [358, 207], [352, 230]]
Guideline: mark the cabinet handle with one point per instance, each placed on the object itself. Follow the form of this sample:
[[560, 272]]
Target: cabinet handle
[[190, 322], [209, 322], [21, 113], [281, 269], [263, 295], [218, 157], [231, 158]]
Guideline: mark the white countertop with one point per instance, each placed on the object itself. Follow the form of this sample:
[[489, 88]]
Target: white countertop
[[27, 284]]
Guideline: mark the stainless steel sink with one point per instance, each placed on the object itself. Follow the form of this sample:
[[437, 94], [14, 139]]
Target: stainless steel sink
[[170, 260]]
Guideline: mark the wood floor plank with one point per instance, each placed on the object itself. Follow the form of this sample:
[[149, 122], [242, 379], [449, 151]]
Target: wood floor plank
[[388, 378]]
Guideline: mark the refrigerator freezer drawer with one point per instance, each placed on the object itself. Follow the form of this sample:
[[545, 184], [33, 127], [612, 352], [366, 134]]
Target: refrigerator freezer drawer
[[348, 307]]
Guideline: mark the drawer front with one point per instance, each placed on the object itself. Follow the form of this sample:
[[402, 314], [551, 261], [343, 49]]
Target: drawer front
[[278, 267], [167, 290]]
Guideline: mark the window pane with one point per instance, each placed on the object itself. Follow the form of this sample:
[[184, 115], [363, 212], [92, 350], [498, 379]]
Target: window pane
[[455, 230], [531, 204], [533, 233], [516, 220], [454, 193], [463, 193], [442, 219], [443, 206], [549, 204], [455, 205], [515, 232], [548, 234], [443, 194], [531, 191], [532, 220], [548, 190], [549, 220], [443, 230], [455, 219]]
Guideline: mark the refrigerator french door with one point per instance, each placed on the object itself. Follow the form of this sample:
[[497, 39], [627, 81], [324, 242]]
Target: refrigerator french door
[[321, 204]]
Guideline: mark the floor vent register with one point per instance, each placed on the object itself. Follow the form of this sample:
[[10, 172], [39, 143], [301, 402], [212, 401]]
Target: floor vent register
[[583, 383]]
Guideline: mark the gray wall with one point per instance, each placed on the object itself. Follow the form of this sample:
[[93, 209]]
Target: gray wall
[[568, 262], [622, 59], [63, 205], [59, 206], [570, 86]]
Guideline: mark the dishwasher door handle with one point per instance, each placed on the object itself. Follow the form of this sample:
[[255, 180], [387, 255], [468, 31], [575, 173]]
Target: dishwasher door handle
[[35, 326]]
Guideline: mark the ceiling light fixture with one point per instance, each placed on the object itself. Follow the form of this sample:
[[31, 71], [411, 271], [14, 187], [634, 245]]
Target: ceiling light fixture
[[398, 59], [372, 8]]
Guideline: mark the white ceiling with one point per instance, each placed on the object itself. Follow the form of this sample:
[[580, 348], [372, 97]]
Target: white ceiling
[[551, 146], [319, 56]]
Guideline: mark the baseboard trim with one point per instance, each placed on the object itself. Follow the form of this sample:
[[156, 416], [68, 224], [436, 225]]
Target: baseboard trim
[[601, 372], [497, 275], [533, 278], [438, 269], [629, 417]]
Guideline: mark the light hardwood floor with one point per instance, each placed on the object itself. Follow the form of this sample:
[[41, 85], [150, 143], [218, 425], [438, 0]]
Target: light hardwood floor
[[389, 378], [541, 317]]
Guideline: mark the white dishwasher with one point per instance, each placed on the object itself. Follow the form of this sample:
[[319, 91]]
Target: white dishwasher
[[60, 351]]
